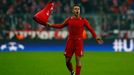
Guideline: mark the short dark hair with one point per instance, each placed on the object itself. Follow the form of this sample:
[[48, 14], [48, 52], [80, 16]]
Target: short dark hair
[[75, 5]]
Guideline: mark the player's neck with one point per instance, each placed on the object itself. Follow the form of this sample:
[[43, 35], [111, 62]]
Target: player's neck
[[76, 16]]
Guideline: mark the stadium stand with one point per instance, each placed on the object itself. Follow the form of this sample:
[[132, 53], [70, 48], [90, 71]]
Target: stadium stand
[[104, 15]]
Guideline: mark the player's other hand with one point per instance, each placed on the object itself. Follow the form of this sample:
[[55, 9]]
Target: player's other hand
[[99, 40]]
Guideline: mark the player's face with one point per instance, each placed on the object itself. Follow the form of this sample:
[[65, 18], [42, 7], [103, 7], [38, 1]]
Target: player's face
[[76, 10]]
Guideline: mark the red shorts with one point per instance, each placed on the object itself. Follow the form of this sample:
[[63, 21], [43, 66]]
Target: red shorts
[[74, 46]]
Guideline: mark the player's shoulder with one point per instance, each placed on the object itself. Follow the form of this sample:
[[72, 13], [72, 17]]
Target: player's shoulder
[[83, 18], [70, 17], [67, 19]]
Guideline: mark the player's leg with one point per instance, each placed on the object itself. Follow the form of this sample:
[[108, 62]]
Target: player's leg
[[69, 64], [78, 65], [69, 51], [78, 54]]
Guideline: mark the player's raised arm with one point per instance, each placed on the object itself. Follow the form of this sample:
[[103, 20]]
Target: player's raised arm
[[98, 39], [59, 25], [87, 24]]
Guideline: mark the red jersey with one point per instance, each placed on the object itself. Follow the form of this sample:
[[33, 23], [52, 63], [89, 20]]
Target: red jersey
[[76, 27]]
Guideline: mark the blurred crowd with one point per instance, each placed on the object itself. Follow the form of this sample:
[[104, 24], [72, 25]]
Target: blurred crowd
[[64, 6], [112, 14]]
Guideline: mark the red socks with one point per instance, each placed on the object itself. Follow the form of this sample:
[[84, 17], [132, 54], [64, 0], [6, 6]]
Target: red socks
[[78, 69]]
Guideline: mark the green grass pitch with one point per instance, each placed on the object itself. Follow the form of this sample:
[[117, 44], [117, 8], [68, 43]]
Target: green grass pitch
[[53, 63]]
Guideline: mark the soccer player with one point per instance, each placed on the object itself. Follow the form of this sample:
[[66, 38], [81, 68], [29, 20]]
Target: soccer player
[[74, 43]]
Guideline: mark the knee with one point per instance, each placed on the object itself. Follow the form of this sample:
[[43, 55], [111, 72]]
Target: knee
[[68, 60], [78, 63]]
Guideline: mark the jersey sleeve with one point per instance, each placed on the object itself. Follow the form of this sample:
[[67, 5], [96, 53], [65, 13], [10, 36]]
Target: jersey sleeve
[[87, 24], [65, 23]]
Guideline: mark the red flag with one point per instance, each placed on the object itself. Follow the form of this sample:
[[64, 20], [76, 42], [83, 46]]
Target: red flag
[[42, 16]]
